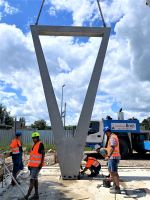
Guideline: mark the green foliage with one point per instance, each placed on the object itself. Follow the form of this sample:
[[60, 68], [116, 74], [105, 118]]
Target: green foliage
[[49, 146], [4, 148], [88, 149], [5, 117], [23, 122], [28, 147], [39, 124], [70, 127], [146, 124]]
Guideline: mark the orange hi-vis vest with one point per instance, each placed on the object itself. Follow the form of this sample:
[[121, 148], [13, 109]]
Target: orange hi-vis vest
[[116, 152], [92, 162], [35, 157], [14, 146]]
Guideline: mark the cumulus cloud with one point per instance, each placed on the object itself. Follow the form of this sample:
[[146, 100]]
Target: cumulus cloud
[[86, 11], [130, 71], [81, 10], [18, 58]]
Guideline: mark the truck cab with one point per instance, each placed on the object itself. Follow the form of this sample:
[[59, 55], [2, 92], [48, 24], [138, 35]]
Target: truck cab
[[131, 138]]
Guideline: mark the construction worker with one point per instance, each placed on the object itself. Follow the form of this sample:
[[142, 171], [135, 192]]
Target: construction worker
[[35, 164], [104, 153], [113, 157], [92, 164], [16, 153], [97, 148]]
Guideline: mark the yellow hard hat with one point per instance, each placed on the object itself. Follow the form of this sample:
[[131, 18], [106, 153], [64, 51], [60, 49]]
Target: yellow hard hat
[[35, 134]]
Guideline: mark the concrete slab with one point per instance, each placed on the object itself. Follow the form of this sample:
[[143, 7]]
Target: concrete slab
[[135, 185]]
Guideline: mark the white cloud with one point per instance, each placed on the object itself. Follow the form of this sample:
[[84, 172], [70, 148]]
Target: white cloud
[[81, 10], [18, 58], [128, 63], [52, 11], [7, 9], [63, 65], [87, 10]]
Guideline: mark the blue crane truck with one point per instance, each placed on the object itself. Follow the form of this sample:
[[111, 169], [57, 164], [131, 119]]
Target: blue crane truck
[[130, 136]]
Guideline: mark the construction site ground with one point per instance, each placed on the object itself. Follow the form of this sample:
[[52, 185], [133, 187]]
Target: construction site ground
[[134, 176]]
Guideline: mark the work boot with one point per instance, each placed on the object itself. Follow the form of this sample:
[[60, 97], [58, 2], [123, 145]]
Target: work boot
[[113, 186], [13, 183], [26, 197], [106, 183], [34, 197], [116, 190]]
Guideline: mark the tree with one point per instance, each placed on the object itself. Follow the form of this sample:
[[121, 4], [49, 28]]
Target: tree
[[146, 124], [39, 124], [5, 117], [23, 122]]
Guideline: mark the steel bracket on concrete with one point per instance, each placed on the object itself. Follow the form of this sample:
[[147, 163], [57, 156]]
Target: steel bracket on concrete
[[70, 150]]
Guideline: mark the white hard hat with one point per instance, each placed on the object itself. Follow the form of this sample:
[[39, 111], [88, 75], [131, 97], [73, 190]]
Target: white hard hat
[[97, 146]]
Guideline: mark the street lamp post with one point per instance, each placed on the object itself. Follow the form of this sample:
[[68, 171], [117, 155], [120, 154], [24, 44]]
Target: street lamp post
[[14, 125], [62, 94], [64, 114]]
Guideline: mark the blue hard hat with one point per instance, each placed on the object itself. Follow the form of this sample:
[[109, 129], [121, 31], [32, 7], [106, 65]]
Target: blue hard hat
[[106, 128], [18, 133]]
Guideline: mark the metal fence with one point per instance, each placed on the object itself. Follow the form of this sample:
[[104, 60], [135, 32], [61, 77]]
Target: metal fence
[[46, 136]]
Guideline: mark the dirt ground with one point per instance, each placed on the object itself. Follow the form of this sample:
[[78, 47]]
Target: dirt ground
[[134, 175]]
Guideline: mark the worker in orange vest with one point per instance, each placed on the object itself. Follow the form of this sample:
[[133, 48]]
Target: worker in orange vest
[[92, 164], [35, 164], [16, 153], [113, 157]]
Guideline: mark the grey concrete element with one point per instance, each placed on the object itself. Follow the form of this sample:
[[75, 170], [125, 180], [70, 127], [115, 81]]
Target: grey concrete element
[[70, 150]]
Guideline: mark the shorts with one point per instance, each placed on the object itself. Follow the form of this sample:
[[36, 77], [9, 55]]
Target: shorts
[[113, 165], [34, 172]]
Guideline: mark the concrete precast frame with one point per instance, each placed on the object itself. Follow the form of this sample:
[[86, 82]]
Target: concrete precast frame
[[70, 150]]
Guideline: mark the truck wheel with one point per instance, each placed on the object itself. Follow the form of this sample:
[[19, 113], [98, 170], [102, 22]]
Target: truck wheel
[[141, 152], [124, 148]]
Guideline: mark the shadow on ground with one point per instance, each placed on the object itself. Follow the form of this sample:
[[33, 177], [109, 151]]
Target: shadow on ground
[[134, 178], [136, 193], [53, 190]]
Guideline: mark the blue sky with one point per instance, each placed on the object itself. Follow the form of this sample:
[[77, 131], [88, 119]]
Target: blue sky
[[27, 12], [126, 66]]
